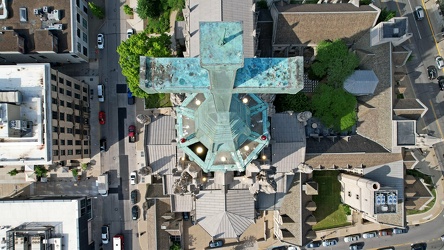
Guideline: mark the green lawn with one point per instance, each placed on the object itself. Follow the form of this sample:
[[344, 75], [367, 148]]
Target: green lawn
[[161, 100], [330, 212]]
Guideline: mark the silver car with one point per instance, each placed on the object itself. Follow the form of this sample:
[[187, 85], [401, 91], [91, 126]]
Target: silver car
[[369, 235], [351, 238], [100, 41]]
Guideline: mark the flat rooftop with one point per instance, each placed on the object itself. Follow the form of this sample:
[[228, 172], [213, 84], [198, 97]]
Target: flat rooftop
[[36, 30], [33, 148]]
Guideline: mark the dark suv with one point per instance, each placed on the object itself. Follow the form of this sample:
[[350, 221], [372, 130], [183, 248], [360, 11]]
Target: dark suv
[[432, 72], [441, 82]]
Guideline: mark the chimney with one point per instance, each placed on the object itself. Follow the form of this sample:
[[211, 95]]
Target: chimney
[[354, 2]]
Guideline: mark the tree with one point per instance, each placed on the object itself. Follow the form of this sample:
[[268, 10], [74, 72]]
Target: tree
[[40, 171], [175, 246], [140, 45], [75, 172], [335, 107], [386, 15], [334, 61], [96, 10], [148, 8], [13, 172], [298, 102], [128, 10]]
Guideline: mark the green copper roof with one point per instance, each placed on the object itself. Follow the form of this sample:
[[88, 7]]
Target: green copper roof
[[221, 125]]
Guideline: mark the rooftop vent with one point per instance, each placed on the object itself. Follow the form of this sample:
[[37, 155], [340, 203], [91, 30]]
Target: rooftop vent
[[395, 32]]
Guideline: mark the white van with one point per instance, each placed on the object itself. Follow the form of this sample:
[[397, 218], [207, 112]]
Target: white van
[[23, 12], [101, 92]]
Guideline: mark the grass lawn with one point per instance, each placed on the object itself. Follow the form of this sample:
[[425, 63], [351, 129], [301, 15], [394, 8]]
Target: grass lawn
[[330, 212], [161, 100]]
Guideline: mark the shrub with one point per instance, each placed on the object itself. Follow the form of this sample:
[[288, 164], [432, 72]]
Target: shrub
[[386, 15], [75, 172], [13, 172], [40, 171], [96, 10], [128, 10]]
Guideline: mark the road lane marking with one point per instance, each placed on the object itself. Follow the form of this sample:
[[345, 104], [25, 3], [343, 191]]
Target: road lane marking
[[436, 118], [416, 23]]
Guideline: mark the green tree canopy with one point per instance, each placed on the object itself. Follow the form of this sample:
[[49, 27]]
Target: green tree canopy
[[386, 15], [334, 61], [40, 171], [140, 45], [148, 8], [298, 102], [96, 10], [13, 172], [335, 107]]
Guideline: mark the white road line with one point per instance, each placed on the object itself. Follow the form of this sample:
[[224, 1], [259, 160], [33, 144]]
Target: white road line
[[416, 24]]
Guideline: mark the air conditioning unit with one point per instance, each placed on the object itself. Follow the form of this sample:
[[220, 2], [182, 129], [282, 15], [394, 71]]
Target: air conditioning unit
[[45, 9]]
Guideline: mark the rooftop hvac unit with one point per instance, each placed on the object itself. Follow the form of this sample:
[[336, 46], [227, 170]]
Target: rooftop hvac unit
[[45, 9], [54, 15], [384, 208], [36, 11], [18, 124]]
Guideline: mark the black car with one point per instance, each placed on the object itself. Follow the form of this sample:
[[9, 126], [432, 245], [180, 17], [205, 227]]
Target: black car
[[134, 197], [314, 244], [102, 145], [135, 212], [432, 72], [131, 98], [419, 246], [357, 246], [441, 82], [186, 215]]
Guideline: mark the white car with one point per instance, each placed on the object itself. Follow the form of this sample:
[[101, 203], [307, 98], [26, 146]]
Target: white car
[[439, 62], [100, 41], [369, 235], [105, 235], [133, 177], [329, 243], [129, 33], [351, 238]]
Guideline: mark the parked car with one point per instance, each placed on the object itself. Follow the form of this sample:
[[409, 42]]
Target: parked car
[[329, 243], [314, 244], [105, 234], [102, 118], [386, 248], [102, 145], [400, 230], [419, 246], [100, 41], [441, 82], [442, 237], [357, 246], [217, 243], [385, 232], [432, 72], [279, 248], [101, 92], [419, 13], [134, 197], [129, 32], [369, 235], [133, 178], [351, 238], [132, 133], [131, 98], [186, 215], [439, 62], [135, 212]]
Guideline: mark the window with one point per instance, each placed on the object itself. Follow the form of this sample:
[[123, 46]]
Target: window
[[68, 83], [85, 142], [53, 88], [62, 116], [78, 142], [62, 103], [54, 115], [55, 129], [77, 107], [357, 196], [85, 90], [78, 17], [79, 47], [84, 23], [55, 142], [85, 109], [349, 194], [85, 151], [85, 37], [77, 96], [61, 80], [76, 86], [62, 142], [78, 32], [62, 152], [77, 132], [78, 151], [69, 131], [53, 77], [85, 132], [85, 99], [85, 9], [68, 93], [55, 153], [69, 105], [77, 119], [70, 142], [78, 3], [61, 91], [70, 151], [62, 130], [54, 101], [85, 51], [69, 118]]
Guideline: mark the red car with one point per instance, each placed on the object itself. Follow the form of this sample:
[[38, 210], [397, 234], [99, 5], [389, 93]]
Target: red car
[[102, 118], [132, 134]]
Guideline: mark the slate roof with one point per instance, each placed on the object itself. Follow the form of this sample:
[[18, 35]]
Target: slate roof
[[353, 159], [161, 130], [181, 203], [390, 174], [361, 82], [225, 214], [286, 128], [374, 112], [311, 23], [161, 158], [221, 10]]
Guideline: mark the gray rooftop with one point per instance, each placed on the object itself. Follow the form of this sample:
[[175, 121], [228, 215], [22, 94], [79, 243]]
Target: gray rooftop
[[361, 82], [161, 131], [406, 133], [225, 214], [396, 28]]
